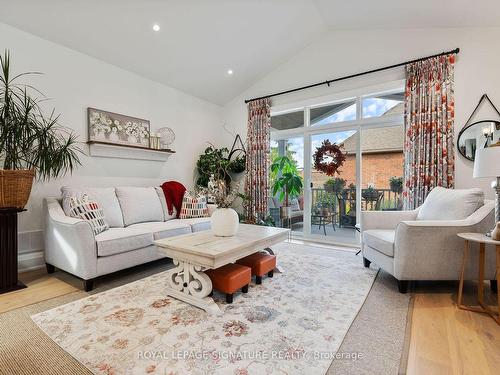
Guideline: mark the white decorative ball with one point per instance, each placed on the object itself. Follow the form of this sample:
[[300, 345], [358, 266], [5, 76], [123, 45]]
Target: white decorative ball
[[167, 137]]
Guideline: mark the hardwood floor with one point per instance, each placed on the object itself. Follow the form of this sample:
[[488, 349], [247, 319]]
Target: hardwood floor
[[41, 287], [444, 340]]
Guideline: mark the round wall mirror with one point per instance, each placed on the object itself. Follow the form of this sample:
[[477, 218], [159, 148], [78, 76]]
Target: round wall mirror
[[477, 135]]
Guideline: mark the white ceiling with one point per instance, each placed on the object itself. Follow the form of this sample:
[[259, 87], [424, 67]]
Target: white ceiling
[[200, 40]]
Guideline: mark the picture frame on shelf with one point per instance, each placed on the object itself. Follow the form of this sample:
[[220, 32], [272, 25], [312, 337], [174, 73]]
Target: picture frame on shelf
[[114, 128]]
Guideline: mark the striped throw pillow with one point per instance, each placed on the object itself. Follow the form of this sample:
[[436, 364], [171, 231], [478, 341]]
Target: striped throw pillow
[[193, 206], [84, 208]]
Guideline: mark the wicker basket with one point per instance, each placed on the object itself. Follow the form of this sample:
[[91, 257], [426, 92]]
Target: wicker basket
[[15, 187]]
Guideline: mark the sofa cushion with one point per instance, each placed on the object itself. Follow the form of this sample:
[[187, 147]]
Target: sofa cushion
[[381, 240], [106, 197], [164, 207], [120, 240], [139, 204], [197, 224], [450, 204], [163, 229]]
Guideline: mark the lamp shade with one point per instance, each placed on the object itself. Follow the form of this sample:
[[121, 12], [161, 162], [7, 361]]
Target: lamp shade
[[487, 162]]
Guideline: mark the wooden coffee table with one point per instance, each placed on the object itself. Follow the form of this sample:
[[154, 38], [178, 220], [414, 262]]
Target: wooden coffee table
[[196, 252]]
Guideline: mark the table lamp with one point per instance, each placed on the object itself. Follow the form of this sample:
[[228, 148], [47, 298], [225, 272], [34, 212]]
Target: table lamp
[[487, 164]]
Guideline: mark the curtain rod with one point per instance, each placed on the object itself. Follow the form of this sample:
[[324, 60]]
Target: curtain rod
[[330, 81]]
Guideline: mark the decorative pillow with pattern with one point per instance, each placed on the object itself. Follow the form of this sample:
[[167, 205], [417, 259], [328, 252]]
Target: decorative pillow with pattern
[[193, 206], [81, 207]]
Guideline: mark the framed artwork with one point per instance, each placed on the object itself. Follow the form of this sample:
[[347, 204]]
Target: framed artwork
[[109, 127]]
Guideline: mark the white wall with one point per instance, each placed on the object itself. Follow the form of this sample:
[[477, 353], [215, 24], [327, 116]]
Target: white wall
[[346, 52], [76, 81]]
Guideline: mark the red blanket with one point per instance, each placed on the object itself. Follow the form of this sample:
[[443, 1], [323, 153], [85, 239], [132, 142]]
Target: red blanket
[[174, 192]]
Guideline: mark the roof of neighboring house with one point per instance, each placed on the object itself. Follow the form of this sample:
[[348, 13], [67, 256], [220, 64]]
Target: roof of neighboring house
[[374, 140], [378, 140]]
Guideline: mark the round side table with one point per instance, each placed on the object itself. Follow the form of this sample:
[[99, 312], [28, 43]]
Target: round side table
[[482, 240]]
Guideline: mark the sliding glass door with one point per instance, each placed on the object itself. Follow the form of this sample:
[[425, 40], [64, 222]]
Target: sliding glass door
[[368, 129], [333, 209]]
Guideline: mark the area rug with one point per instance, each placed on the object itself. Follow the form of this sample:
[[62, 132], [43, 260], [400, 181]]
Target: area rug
[[293, 323]]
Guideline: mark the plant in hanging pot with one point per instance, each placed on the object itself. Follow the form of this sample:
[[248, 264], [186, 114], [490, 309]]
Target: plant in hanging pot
[[237, 166], [396, 184], [287, 182], [30, 141], [224, 220]]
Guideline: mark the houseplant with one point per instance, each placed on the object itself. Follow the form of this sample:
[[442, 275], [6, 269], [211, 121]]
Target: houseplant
[[213, 162], [287, 182], [224, 220], [370, 194], [334, 185], [30, 141], [396, 184], [237, 166]]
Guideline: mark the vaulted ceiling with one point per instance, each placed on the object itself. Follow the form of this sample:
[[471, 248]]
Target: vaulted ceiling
[[200, 40]]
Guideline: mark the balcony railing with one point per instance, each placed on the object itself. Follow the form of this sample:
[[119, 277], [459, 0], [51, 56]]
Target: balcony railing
[[372, 200]]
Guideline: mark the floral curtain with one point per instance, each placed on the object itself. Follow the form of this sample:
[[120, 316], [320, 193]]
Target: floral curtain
[[257, 159], [429, 117]]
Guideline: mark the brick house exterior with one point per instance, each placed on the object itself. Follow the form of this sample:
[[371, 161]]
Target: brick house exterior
[[382, 158]]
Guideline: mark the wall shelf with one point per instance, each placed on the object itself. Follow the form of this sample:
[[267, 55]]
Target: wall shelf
[[113, 150]]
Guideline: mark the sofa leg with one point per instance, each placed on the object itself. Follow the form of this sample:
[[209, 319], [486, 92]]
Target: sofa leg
[[88, 285], [229, 298], [258, 280], [270, 273], [366, 262], [403, 286], [244, 289], [493, 286], [50, 268]]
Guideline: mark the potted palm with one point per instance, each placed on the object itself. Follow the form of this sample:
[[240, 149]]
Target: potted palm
[[287, 182], [30, 141]]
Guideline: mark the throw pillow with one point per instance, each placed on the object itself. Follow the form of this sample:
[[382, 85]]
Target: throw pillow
[[89, 210], [105, 196], [450, 204], [294, 203], [193, 206]]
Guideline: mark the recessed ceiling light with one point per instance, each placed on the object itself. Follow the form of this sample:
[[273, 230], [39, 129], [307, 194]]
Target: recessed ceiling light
[[156, 27], [230, 72]]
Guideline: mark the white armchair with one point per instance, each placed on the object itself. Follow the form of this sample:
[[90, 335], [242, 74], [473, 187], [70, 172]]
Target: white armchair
[[410, 247]]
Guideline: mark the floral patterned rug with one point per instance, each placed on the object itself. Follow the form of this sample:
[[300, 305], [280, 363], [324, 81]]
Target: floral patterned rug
[[293, 323]]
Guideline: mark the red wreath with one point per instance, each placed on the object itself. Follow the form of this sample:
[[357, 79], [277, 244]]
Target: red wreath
[[329, 150]]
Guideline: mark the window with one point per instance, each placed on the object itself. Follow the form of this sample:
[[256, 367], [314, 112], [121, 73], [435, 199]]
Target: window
[[332, 113], [383, 105], [287, 121]]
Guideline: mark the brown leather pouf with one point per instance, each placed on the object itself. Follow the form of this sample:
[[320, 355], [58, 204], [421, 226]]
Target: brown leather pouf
[[229, 278], [260, 263]]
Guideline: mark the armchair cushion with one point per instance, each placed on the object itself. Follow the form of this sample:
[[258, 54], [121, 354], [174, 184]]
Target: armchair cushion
[[381, 240], [450, 204]]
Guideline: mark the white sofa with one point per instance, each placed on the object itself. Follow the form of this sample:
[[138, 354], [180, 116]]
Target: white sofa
[[137, 216], [423, 244]]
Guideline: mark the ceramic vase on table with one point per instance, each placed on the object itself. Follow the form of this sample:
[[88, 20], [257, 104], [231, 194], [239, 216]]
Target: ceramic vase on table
[[224, 222]]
